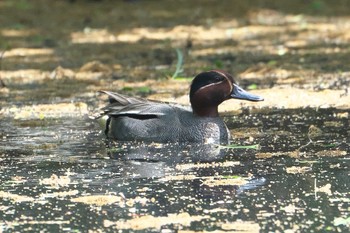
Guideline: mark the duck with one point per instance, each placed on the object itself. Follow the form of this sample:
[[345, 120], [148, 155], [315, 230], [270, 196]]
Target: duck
[[144, 120]]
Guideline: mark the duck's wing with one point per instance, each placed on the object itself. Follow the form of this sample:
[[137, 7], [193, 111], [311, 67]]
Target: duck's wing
[[121, 105], [122, 99], [137, 109]]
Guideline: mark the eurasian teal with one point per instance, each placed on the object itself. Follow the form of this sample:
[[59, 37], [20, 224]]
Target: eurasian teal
[[137, 119]]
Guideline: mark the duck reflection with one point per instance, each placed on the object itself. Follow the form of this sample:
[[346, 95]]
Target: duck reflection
[[182, 163], [169, 153]]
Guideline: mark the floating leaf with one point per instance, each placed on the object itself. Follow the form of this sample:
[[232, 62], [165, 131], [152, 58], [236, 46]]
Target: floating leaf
[[329, 145], [308, 161], [127, 88], [233, 177], [144, 89], [41, 116], [272, 63], [252, 87], [232, 146], [183, 78], [114, 150]]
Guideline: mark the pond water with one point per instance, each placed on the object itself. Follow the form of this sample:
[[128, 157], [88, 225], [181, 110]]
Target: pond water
[[59, 175]]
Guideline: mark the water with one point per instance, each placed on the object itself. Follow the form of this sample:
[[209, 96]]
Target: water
[[57, 175]]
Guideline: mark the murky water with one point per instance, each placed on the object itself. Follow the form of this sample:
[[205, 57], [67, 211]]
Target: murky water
[[57, 175]]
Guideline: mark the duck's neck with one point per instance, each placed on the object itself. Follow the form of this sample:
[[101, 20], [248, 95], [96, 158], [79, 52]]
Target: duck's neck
[[206, 112]]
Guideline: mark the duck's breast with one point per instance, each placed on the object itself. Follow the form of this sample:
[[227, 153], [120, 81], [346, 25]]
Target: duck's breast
[[204, 130]]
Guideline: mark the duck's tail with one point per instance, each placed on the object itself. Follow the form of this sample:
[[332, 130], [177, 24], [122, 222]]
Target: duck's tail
[[117, 102]]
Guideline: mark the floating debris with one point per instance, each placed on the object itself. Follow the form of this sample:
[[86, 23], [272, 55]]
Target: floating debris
[[99, 200], [56, 181], [224, 182], [152, 222], [298, 170], [15, 197]]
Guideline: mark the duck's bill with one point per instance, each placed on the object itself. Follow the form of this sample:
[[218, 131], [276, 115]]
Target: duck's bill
[[239, 93]]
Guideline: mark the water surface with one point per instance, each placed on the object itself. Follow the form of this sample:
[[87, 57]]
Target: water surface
[[58, 175]]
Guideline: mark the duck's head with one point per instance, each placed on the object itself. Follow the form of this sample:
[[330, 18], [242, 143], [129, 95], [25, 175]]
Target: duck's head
[[209, 89]]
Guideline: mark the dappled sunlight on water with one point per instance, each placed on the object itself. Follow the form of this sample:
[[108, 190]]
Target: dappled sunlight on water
[[63, 172]]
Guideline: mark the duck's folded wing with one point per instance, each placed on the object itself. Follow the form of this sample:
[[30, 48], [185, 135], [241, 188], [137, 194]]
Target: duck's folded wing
[[132, 110], [121, 105]]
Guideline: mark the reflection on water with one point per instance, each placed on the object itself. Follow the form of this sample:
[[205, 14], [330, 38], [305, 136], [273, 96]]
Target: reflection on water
[[297, 181]]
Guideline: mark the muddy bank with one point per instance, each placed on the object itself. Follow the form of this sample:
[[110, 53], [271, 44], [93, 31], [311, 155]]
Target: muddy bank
[[293, 54]]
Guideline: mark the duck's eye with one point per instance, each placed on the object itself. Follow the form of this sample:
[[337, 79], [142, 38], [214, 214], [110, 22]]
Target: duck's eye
[[218, 78]]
